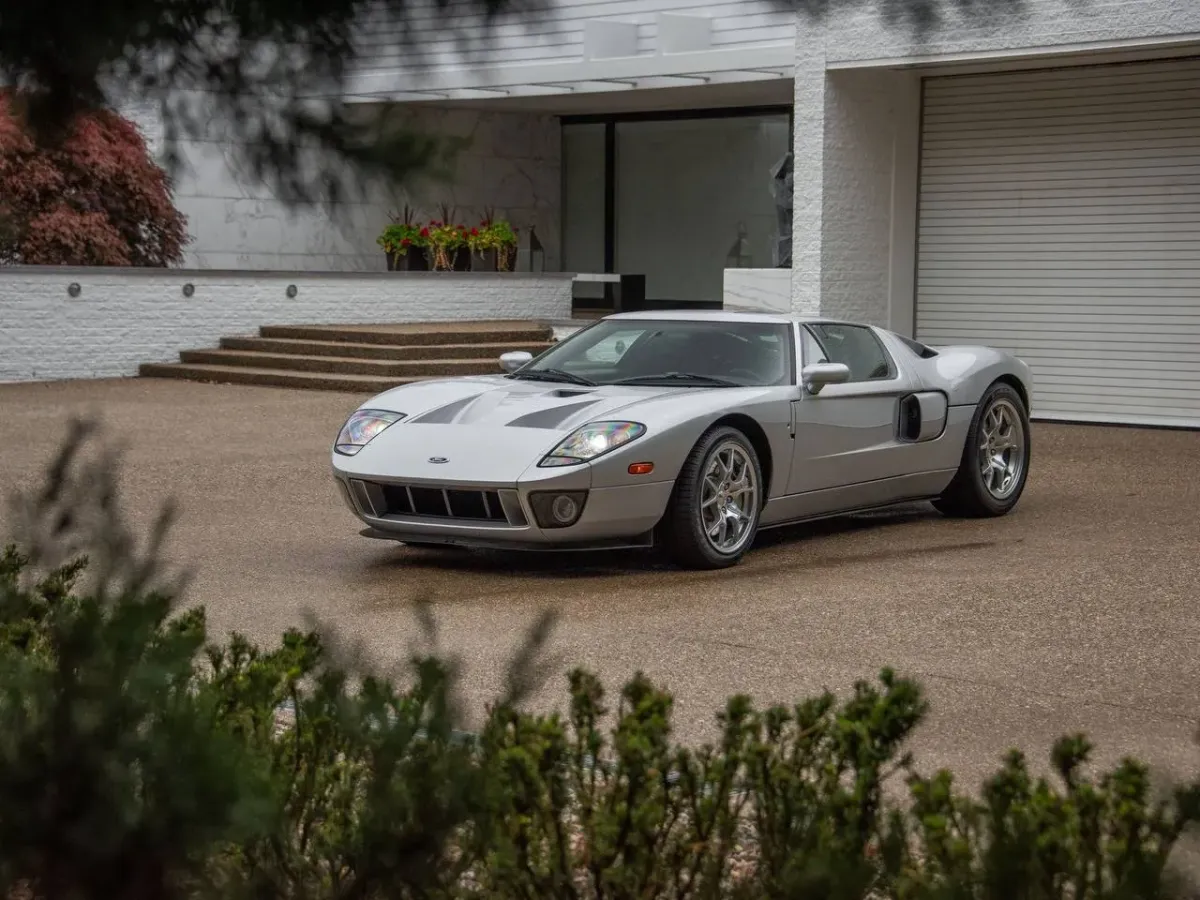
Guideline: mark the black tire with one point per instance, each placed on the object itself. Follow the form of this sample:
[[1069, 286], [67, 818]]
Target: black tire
[[682, 528], [967, 496]]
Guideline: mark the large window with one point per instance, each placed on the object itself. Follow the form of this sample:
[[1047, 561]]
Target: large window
[[583, 198], [686, 195]]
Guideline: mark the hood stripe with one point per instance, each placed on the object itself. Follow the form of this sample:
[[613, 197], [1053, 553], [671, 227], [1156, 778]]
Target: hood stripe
[[444, 415], [550, 418]]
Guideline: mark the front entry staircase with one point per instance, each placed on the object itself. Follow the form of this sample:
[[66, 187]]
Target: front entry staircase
[[355, 358]]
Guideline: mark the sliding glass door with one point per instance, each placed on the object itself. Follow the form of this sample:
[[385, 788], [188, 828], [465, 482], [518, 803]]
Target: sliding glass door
[[689, 198]]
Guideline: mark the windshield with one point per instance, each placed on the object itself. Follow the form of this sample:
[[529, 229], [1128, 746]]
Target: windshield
[[699, 354]]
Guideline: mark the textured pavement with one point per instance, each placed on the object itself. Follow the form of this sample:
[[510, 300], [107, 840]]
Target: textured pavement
[[1078, 612]]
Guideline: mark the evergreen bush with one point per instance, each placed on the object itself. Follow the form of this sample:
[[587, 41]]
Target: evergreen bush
[[140, 759]]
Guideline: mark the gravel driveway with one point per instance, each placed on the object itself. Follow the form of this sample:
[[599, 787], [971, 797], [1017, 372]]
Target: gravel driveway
[[1079, 611]]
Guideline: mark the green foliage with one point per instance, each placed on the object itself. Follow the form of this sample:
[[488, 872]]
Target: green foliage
[[140, 759], [402, 233], [397, 237]]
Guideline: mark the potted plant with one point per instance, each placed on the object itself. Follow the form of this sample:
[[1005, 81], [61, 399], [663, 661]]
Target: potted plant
[[404, 242], [447, 240], [504, 242], [494, 244]]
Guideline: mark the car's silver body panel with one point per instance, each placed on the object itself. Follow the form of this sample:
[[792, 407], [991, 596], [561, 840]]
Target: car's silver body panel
[[838, 451]]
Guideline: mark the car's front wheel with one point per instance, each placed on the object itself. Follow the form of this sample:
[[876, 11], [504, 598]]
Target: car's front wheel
[[995, 461], [714, 510]]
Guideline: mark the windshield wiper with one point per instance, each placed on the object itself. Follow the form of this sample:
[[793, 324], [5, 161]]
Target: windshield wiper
[[707, 380], [554, 375]]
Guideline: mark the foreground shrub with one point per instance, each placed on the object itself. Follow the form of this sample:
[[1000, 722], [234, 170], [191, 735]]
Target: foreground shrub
[[139, 759]]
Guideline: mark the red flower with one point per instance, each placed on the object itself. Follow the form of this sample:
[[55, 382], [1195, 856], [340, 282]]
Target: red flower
[[424, 232], [474, 232], [406, 242]]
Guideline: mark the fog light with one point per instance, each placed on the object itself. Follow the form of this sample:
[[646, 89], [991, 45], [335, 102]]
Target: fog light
[[557, 509], [564, 509]]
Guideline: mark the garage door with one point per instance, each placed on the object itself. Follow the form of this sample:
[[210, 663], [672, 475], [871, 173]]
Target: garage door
[[1060, 220]]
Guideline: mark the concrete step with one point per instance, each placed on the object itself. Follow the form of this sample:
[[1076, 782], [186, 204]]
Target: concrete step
[[419, 334], [351, 384], [336, 365], [379, 351]]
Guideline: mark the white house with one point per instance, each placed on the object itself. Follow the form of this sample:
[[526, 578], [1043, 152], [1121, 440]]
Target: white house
[[1027, 176], [636, 134]]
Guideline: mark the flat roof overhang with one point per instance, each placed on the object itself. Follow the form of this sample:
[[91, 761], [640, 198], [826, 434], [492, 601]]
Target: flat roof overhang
[[733, 77]]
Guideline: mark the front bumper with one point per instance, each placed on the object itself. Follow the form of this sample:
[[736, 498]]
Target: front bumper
[[502, 516]]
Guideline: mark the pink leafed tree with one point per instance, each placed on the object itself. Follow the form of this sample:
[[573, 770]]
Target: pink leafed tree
[[94, 198]]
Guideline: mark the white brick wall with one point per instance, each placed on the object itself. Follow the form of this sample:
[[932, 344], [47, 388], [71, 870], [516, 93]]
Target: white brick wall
[[808, 198], [853, 227], [126, 317]]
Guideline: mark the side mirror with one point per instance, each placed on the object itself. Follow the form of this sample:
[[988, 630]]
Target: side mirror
[[514, 359], [816, 376]]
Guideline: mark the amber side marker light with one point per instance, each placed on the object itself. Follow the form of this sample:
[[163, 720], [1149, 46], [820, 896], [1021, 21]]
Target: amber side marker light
[[641, 468]]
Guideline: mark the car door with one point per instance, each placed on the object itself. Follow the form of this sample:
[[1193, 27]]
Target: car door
[[848, 434]]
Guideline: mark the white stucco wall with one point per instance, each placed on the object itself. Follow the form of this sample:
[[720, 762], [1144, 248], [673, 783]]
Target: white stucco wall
[[512, 164], [855, 180], [858, 33], [857, 90], [125, 317]]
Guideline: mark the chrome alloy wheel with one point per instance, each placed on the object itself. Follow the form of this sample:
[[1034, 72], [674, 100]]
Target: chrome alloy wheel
[[1001, 449], [728, 498]]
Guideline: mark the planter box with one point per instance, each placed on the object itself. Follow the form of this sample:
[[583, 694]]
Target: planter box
[[459, 260], [503, 260], [412, 261]]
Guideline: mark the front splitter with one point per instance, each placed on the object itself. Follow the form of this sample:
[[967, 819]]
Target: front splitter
[[643, 541]]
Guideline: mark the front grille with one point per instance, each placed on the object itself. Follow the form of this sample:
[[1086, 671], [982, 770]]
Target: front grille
[[433, 502]]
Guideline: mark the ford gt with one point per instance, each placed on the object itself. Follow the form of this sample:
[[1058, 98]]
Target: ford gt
[[689, 431]]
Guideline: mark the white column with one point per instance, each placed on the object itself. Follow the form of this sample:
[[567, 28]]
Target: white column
[[854, 226]]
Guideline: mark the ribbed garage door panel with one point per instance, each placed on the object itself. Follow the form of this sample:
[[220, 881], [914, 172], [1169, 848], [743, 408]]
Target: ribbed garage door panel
[[1060, 219]]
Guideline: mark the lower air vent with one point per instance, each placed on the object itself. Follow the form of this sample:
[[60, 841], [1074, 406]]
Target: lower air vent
[[432, 502]]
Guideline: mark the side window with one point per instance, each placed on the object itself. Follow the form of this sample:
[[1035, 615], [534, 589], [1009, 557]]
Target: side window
[[858, 348], [810, 351]]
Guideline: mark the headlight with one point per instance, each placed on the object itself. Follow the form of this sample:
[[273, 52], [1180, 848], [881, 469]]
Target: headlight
[[591, 441], [362, 427]]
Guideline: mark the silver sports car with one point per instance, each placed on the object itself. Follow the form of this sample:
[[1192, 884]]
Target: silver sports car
[[691, 431]]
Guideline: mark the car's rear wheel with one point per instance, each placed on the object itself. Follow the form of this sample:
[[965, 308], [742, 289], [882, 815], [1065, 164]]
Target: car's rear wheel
[[713, 515], [995, 462]]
